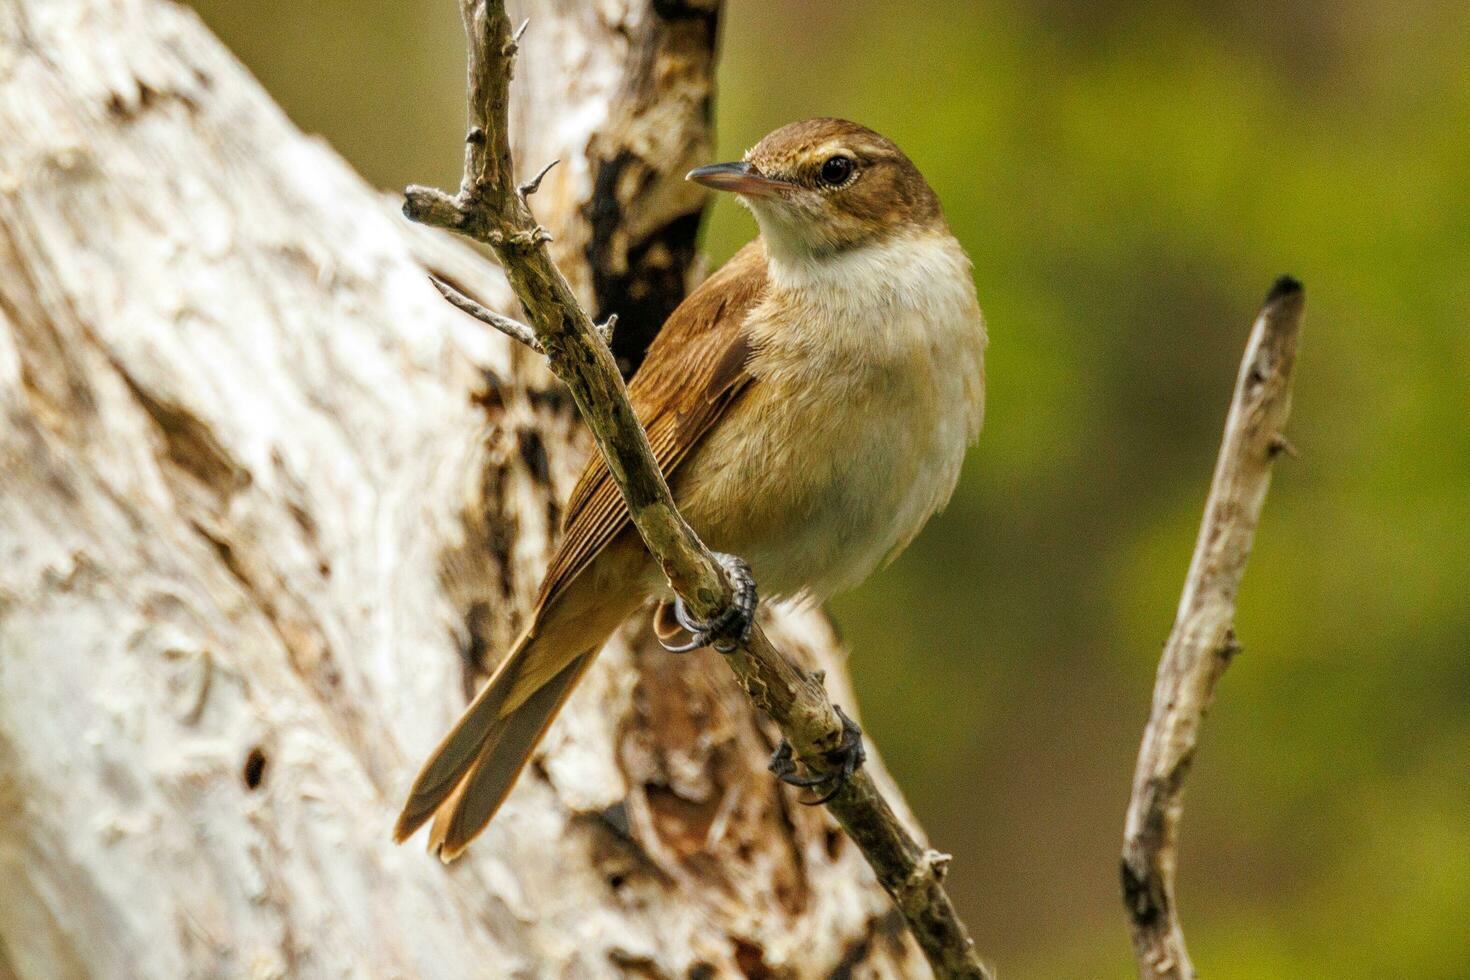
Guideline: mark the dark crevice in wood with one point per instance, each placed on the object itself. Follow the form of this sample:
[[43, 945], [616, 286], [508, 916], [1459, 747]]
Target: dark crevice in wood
[[750, 957], [615, 850], [190, 444], [647, 284], [477, 572], [643, 280], [533, 454], [253, 772]]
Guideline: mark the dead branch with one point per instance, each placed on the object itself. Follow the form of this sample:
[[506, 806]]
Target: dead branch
[[1202, 641]]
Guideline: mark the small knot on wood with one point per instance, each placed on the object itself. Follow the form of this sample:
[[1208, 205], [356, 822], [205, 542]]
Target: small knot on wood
[[509, 49], [1138, 895], [1230, 647], [1281, 445], [520, 241], [929, 869]]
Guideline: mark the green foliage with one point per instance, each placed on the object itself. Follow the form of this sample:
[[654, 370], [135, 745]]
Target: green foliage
[[1128, 179]]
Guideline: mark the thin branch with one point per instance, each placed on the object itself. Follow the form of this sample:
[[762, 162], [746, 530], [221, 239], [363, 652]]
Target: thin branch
[[533, 185], [489, 209], [514, 329], [1202, 641]]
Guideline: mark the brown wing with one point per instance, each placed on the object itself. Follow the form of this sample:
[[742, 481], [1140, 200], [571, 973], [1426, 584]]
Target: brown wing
[[693, 372]]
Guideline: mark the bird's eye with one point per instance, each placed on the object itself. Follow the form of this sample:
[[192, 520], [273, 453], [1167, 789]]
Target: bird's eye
[[836, 170]]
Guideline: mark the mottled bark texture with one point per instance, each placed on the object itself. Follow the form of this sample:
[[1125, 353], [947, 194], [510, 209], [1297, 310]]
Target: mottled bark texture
[[269, 508]]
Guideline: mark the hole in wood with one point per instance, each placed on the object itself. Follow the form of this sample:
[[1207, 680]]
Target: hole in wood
[[254, 771]]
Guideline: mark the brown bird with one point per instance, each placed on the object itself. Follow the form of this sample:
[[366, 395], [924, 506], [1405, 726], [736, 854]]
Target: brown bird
[[811, 404]]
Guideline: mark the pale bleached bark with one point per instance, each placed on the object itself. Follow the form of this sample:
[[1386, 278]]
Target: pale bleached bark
[[267, 508], [1202, 642]]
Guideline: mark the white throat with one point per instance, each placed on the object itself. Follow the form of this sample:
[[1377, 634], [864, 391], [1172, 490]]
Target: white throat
[[906, 296]]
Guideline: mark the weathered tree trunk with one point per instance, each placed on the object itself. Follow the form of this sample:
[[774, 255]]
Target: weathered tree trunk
[[269, 508]]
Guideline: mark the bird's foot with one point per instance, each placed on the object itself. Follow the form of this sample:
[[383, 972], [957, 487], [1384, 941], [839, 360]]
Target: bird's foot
[[846, 759], [731, 627]]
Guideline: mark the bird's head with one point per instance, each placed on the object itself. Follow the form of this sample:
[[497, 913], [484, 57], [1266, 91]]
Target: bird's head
[[824, 186]]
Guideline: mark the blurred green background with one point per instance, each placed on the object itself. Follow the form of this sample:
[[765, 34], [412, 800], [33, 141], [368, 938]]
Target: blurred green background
[[1129, 178]]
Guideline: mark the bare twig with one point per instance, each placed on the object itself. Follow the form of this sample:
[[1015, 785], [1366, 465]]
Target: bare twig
[[489, 208], [606, 327], [534, 184], [1202, 641], [514, 329]]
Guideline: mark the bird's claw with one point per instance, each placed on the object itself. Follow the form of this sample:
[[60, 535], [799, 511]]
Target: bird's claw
[[846, 759], [731, 628]]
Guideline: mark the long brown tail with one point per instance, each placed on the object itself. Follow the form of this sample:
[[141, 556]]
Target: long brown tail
[[473, 769]]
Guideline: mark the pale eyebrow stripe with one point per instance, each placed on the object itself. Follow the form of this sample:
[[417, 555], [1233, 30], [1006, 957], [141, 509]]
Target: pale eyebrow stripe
[[831, 146]]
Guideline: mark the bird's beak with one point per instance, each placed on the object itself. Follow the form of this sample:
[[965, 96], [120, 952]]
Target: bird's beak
[[742, 178]]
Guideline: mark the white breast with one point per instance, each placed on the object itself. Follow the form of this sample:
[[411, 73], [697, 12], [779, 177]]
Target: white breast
[[871, 386]]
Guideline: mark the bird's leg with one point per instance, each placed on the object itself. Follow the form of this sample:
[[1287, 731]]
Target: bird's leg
[[846, 759], [731, 627]]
